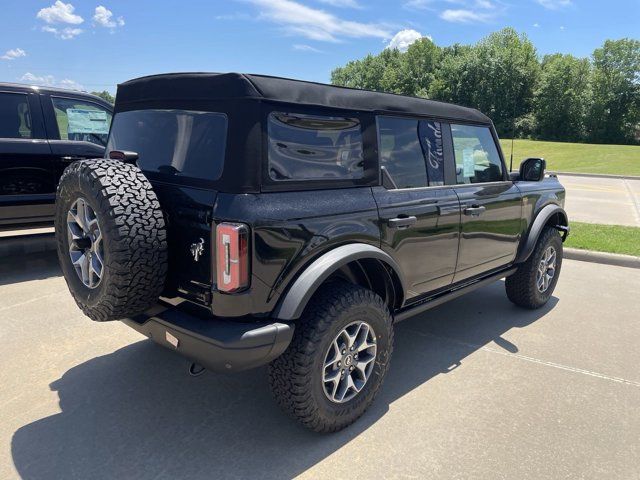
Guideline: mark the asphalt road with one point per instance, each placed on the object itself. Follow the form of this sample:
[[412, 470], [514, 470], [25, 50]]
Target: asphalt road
[[602, 200], [477, 389]]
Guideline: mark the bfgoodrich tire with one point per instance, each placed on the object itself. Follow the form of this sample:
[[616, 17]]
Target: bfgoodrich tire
[[533, 283], [337, 360], [111, 238]]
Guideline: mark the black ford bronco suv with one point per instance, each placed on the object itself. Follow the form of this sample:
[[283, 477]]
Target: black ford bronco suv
[[244, 220]]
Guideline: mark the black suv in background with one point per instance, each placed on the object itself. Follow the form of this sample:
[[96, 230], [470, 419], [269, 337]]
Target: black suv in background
[[244, 220], [42, 130]]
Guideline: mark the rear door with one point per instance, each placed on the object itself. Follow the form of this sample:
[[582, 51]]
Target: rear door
[[77, 129], [27, 183], [491, 204], [419, 213], [181, 152]]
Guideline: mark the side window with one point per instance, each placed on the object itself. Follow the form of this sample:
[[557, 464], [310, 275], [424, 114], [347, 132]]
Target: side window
[[15, 118], [310, 147], [81, 121], [477, 158], [411, 151]]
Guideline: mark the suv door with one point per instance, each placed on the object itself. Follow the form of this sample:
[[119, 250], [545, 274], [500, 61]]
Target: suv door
[[78, 128], [419, 213], [27, 184], [491, 204]]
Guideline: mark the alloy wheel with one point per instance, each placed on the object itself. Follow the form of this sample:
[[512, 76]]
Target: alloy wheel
[[85, 243], [546, 269], [349, 362]]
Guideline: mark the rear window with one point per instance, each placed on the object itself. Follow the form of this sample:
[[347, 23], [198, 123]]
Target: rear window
[[175, 142], [411, 151], [81, 121], [15, 119], [311, 147]]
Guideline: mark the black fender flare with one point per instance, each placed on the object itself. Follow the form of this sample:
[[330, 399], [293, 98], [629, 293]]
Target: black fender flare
[[295, 300], [529, 243]]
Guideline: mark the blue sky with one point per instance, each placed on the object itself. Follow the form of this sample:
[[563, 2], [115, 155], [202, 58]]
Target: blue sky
[[94, 44]]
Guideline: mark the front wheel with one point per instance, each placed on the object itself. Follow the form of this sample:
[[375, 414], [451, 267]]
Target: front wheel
[[337, 360], [534, 281]]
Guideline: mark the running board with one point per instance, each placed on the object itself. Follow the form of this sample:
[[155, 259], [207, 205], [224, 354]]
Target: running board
[[432, 302]]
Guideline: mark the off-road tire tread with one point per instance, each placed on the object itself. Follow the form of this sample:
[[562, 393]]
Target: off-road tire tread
[[130, 216], [521, 286], [291, 375]]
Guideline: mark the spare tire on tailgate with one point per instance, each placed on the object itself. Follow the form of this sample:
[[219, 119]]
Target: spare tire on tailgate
[[111, 238]]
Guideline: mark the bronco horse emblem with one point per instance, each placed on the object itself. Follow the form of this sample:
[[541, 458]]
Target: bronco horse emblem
[[197, 249]]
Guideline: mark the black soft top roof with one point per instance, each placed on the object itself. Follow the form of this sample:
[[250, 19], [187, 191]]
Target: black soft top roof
[[192, 88]]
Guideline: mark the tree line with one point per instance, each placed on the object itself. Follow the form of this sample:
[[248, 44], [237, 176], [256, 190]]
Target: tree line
[[553, 97]]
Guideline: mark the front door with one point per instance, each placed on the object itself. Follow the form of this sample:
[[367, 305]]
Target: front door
[[419, 214], [491, 205]]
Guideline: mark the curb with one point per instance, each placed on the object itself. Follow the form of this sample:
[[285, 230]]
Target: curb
[[596, 175], [616, 259], [26, 244]]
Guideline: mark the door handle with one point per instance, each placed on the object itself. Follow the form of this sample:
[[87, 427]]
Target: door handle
[[474, 210], [402, 222]]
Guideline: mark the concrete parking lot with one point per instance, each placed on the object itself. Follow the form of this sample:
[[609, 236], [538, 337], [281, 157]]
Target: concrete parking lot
[[614, 201], [477, 389]]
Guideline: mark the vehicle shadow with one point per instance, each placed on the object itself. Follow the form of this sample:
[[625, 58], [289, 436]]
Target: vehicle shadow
[[136, 414], [37, 265]]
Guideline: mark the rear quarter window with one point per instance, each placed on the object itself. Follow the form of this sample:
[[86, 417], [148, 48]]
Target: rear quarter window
[[180, 143], [313, 147]]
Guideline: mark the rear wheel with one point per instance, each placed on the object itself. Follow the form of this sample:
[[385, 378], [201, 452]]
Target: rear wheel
[[337, 360], [533, 283]]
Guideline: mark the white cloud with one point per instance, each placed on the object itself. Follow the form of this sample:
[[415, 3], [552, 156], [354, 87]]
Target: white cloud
[[60, 12], [554, 4], [418, 4], [485, 4], [298, 19], [306, 48], [342, 3], [13, 54], [70, 84], [66, 33], [104, 17], [50, 81], [465, 16], [403, 39]]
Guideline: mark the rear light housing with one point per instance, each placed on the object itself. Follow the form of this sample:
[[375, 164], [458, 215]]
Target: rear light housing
[[232, 257]]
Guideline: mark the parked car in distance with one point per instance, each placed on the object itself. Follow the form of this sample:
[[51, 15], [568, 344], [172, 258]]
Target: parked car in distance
[[244, 220], [43, 130]]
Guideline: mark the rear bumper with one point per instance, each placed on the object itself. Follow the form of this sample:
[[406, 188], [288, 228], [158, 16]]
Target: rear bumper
[[219, 345]]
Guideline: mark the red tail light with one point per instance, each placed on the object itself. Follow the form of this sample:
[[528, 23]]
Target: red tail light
[[232, 241]]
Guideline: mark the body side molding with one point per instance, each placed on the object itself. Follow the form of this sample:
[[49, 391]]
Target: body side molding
[[295, 300]]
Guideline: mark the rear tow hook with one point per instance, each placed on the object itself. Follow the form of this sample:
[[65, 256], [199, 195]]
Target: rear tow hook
[[195, 369]]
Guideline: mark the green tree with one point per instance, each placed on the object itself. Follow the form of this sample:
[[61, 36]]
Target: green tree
[[614, 115], [496, 76], [106, 96], [561, 98]]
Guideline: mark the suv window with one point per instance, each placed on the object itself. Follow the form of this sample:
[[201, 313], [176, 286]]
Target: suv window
[[477, 158], [310, 147], [411, 151], [15, 118], [82, 121], [176, 142]]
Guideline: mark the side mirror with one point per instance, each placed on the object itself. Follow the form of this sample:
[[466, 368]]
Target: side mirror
[[532, 169]]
